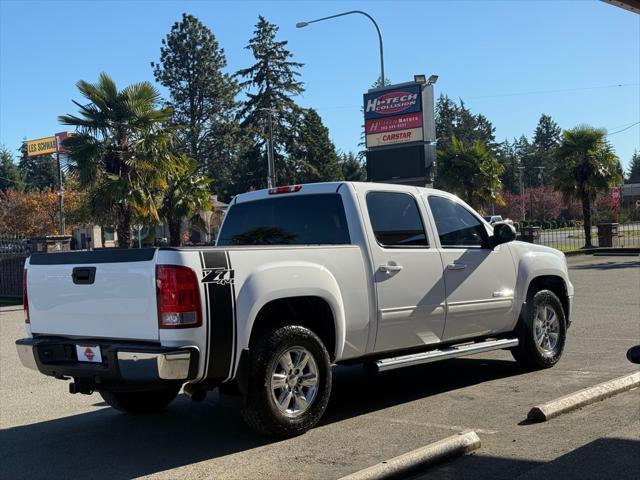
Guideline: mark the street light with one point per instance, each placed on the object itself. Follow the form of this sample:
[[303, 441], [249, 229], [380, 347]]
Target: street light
[[360, 12]]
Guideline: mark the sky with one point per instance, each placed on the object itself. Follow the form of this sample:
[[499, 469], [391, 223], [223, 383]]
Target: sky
[[578, 61]]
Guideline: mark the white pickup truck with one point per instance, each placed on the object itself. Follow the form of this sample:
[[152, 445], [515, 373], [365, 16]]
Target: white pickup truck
[[302, 278]]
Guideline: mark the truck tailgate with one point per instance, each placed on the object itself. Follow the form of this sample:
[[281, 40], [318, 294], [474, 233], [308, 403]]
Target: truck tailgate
[[118, 302]]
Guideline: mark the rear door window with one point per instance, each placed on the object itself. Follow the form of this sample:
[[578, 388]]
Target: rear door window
[[289, 220]]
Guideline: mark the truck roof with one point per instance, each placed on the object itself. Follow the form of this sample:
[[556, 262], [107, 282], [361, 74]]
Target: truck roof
[[328, 187]]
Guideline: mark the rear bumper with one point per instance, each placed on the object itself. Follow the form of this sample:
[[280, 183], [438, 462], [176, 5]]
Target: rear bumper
[[123, 362]]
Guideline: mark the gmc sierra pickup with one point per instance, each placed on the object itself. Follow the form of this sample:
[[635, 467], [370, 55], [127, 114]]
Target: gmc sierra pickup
[[303, 277]]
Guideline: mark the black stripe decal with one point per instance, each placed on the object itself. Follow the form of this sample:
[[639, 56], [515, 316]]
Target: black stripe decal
[[235, 319], [207, 319], [221, 313]]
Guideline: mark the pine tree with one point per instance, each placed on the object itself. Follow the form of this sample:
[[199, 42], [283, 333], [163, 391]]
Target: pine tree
[[9, 172], [315, 154], [546, 140], [40, 172], [506, 156], [270, 85], [458, 121], [548, 134], [352, 169], [202, 96], [634, 166]]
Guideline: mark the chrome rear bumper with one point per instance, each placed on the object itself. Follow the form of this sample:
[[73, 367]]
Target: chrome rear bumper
[[123, 362]]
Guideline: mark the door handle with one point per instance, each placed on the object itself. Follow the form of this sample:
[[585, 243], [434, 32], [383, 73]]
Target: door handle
[[388, 269], [456, 266]]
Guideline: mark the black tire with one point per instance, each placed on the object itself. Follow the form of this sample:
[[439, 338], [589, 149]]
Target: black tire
[[529, 353], [261, 412], [143, 402]]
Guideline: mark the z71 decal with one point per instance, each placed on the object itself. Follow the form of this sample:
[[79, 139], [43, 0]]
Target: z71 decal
[[218, 276]]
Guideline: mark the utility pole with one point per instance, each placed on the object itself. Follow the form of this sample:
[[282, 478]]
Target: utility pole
[[271, 174], [271, 166], [540, 177], [520, 172]]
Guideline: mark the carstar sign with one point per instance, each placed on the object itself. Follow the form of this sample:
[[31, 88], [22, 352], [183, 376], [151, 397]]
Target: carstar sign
[[391, 138]]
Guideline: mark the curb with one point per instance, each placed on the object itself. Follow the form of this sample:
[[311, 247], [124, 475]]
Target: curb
[[617, 251], [410, 462], [10, 308], [581, 398]]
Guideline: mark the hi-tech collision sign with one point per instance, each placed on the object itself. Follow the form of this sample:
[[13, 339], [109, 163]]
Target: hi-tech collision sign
[[399, 101], [393, 116]]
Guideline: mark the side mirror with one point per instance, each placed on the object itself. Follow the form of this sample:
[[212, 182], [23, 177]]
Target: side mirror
[[633, 354], [502, 233]]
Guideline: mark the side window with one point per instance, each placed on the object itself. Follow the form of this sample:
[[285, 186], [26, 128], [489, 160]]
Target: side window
[[456, 226], [395, 219]]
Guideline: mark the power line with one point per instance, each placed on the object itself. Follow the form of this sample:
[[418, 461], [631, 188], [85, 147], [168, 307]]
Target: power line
[[539, 92], [626, 128]]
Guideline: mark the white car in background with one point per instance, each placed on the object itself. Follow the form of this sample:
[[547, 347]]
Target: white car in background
[[493, 219]]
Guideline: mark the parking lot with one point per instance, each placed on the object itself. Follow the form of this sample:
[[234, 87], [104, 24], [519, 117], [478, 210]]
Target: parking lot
[[48, 433]]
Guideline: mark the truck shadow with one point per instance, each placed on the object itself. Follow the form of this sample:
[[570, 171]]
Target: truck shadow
[[357, 392], [105, 444]]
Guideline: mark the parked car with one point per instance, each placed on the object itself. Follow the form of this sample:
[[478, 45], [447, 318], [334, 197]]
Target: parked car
[[493, 219], [302, 278]]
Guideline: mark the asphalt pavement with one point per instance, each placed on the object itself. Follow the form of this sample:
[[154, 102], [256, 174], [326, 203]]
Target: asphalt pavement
[[47, 433]]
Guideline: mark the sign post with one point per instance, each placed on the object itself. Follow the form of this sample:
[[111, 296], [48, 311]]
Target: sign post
[[615, 192], [49, 146]]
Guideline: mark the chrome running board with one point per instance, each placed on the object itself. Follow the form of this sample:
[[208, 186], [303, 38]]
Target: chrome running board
[[451, 352]]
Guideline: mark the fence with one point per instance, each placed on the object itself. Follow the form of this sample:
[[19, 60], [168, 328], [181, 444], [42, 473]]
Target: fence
[[13, 252], [572, 238]]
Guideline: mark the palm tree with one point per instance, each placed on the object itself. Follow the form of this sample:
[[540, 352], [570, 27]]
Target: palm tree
[[187, 193], [585, 165], [471, 172], [121, 152]]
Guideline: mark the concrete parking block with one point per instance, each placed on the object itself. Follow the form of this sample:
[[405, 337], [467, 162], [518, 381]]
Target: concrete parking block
[[546, 411], [411, 462]]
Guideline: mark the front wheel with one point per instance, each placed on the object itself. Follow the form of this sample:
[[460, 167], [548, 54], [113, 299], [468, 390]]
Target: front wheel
[[289, 382], [542, 332], [143, 402]]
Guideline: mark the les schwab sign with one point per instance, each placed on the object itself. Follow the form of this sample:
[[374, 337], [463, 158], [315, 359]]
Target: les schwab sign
[[41, 146], [393, 117], [47, 145]]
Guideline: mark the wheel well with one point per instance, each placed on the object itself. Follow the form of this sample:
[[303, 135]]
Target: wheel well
[[553, 283], [311, 312]]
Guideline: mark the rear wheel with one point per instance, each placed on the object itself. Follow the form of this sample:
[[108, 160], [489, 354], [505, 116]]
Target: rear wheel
[[144, 402], [542, 332], [289, 382]]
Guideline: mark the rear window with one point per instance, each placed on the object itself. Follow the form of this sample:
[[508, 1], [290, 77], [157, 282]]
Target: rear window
[[290, 220]]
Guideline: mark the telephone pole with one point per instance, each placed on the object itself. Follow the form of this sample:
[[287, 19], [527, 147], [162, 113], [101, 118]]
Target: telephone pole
[[520, 173]]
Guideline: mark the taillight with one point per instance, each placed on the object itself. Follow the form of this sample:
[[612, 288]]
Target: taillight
[[25, 297], [285, 189], [178, 296]]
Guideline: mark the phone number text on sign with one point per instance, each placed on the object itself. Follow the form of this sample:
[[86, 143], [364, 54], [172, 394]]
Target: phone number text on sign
[[392, 124]]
